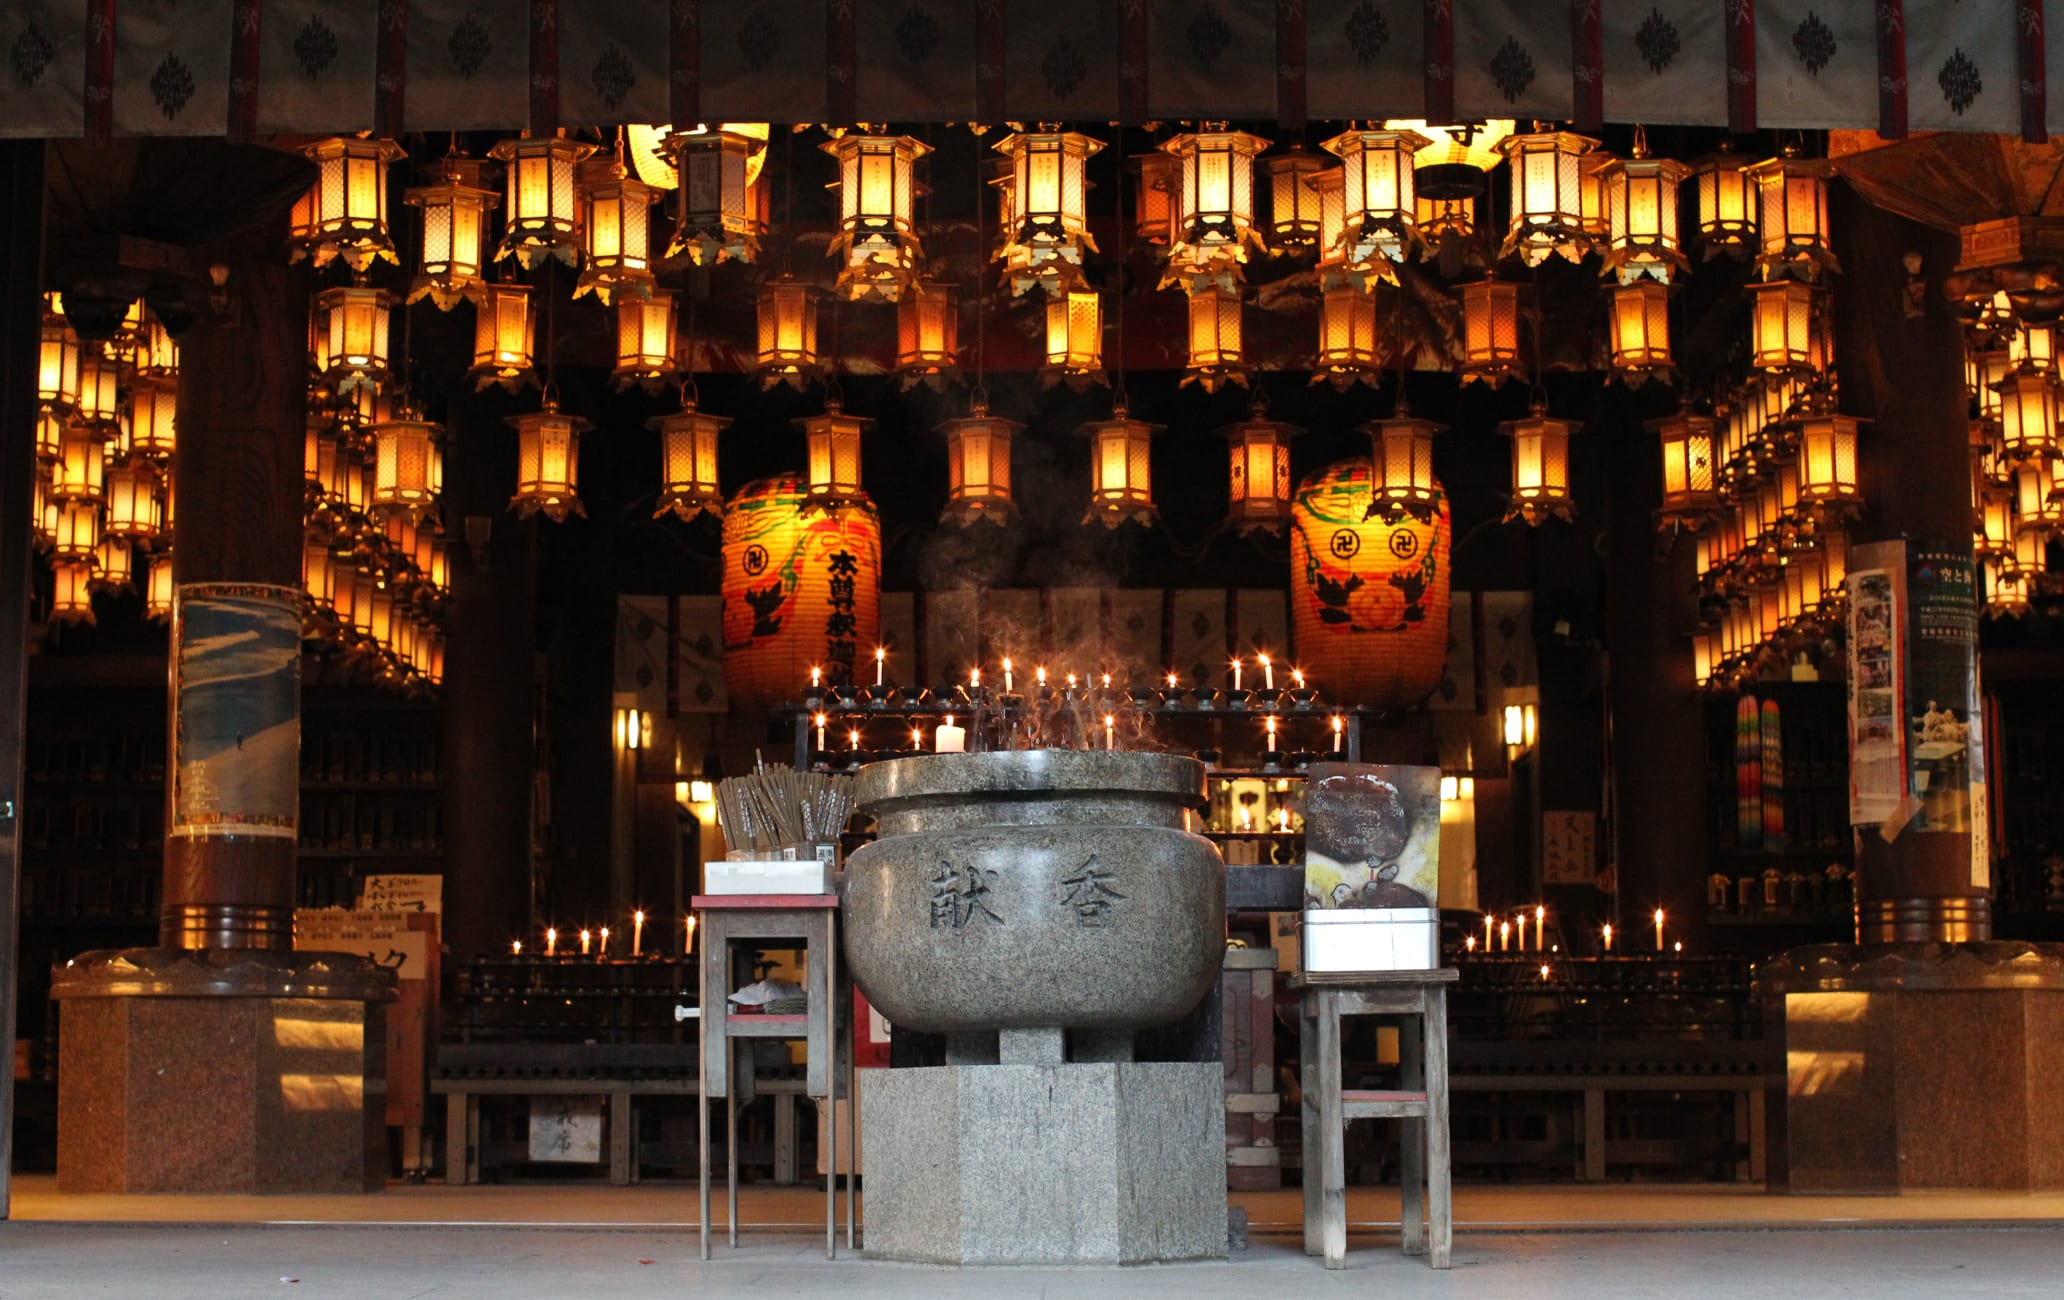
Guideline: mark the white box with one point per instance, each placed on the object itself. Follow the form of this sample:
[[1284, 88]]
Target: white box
[[1353, 939], [729, 876]]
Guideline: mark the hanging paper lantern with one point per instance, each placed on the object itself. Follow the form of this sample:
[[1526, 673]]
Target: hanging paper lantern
[[2033, 346], [1446, 229], [153, 418], [1159, 175], [1691, 485], [1214, 202], [645, 341], [50, 427], [2028, 415], [548, 464], [57, 361], [801, 590], [1490, 331], [81, 466], [542, 204], [2034, 503], [832, 442], [978, 453], [877, 242], [121, 348], [1783, 320], [1727, 204], [1641, 332], [157, 600], [1368, 599], [1258, 457], [1547, 218], [1540, 466], [455, 209], [2005, 589], [928, 334], [1049, 227], [357, 335], [1216, 355], [688, 462], [616, 231], [1120, 470], [1402, 463], [132, 502], [1378, 208], [1293, 203], [716, 209], [1074, 339], [158, 357], [1454, 161], [504, 334], [319, 574], [1827, 462], [1347, 338], [1330, 188], [43, 509], [71, 599], [401, 467], [112, 565], [2031, 556], [788, 333], [1793, 215], [100, 390], [77, 532], [1983, 371], [1641, 217], [346, 215]]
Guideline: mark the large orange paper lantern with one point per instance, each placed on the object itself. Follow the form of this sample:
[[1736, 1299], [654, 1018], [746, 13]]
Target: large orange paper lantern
[[1369, 599], [802, 590]]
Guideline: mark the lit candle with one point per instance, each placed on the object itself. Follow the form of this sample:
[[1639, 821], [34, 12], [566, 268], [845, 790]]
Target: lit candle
[[1540, 925], [1107, 681], [853, 740], [816, 679], [1505, 935], [1283, 820], [688, 934], [949, 739], [551, 942], [1678, 946], [1268, 673], [974, 680], [1236, 674], [1659, 929], [1608, 936], [1470, 943], [1297, 678], [881, 656], [1173, 681], [1544, 970], [516, 947], [1271, 725], [1340, 725], [1006, 676], [605, 941], [1040, 674], [1110, 741], [821, 719], [1246, 820], [584, 937], [1071, 681], [638, 933], [1487, 922], [917, 737]]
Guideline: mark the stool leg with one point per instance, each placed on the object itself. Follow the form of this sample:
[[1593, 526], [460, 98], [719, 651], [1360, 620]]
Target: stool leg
[[1412, 1138], [1440, 1189], [703, 1075], [731, 1164], [1308, 1120], [1332, 1134]]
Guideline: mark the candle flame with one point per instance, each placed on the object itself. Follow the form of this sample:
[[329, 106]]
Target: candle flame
[[638, 917], [1539, 911], [1040, 675], [1338, 722], [949, 719], [1107, 681], [1006, 663], [880, 653], [516, 947], [1261, 659], [1297, 676], [1071, 681], [816, 676], [821, 719], [1470, 943], [974, 677], [1171, 681], [1659, 916]]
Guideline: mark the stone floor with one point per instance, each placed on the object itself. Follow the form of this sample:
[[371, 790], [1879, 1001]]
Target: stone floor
[[510, 1243]]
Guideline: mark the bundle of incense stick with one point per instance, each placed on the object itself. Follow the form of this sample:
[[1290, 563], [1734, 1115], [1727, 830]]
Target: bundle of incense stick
[[775, 805]]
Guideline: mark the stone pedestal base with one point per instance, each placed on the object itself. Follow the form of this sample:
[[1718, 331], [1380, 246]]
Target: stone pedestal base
[[1919, 1066], [202, 1072], [1109, 1163]]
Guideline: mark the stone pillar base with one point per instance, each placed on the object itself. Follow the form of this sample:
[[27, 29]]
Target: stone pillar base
[[223, 1071], [1106, 1163], [1911, 1067]]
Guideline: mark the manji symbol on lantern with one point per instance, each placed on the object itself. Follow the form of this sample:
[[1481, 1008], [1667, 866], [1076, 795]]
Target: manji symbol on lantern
[[455, 208], [801, 590], [548, 463], [877, 241], [1259, 462], [978, 452], [688, 461]]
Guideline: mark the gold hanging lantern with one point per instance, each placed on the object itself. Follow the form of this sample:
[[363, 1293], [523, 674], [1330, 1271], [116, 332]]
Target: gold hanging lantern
[[455, 209], [1783, 322], [81, 466], [1457, 156], [688, 462], [832, 441], [645, 341], [1490, 331], [1591, 196], [1641, 216], [1792, 215], [113, 565], [358, 337], [153, 418], [1705, 656], [788, 333], [1827, 463], [2028, 415], [1120, 469], [318, 574], [1446, 229], [2005, 589], [2033, 346], [1993, 533], [2034, 490], [122, 348], [2031, 555], [978, 469], [77, 531], [440, 565], [401, 467], [1216, 354], [616, 231], [1983, 372], [158, 357], [1347, 338], [1049, 187], [346, 215], [504, 337], [716, 209], [57, 361], [43, 509], [100, 389], [157, 600], [928, 334], [50, 427], [1727, 204], [1378, 204], [1547, 218], [1402, 458], [548, 463], [1158, 177], [1293, 203], [132, 502], [1641, 332], [1074, 339], [71, 599], [1214, 203], [1258, 464], [1540, 466], [877, 242], [1691, 482], [542, 204], [165, 512]]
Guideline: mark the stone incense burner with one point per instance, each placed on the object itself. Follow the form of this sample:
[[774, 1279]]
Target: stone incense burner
[[1034, 889]]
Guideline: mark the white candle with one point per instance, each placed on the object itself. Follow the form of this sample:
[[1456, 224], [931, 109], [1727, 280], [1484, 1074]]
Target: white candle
[[820, 730], [1236, 674], [1505, 935], [1339, 724], [551, 942], [605, 941], [974, 679], [1470, 943], [880, 658], [688, 934], [1540, 925], [1268, 673], [638, 934], [1071, 681], [1110, 741], [516, 947], [1659, 929], [1173, 681], [1297, 678], [1006, 676], [584, 937], [1487, 922], [816, 678], [853, 739], [1608, 936], [1271, 724], [1040, 673], [949, 739], [917, 737], [1107, 681]]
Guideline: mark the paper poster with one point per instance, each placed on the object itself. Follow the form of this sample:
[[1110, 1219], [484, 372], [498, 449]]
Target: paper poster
[[1372, 836], [1877, 733], [381, 937], [566, 1130], [402, 894], [236, 710], [1942, 713], [1569, 847]]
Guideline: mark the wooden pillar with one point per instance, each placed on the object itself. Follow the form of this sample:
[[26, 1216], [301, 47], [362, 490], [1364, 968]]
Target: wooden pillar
[[1906, 374], [243, 385]]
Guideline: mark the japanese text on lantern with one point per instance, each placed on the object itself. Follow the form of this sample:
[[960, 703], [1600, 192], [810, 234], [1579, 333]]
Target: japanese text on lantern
[[840, 626]]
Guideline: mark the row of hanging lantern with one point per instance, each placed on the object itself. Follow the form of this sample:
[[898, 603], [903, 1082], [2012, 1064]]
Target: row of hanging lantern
[[106, 432], [2010, 368]]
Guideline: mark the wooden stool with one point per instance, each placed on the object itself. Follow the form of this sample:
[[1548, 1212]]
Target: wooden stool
[[1422, 1104], [727, 1039]]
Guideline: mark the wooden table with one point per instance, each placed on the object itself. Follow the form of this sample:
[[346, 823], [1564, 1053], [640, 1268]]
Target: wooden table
[[1422, 1105], [810, 920]]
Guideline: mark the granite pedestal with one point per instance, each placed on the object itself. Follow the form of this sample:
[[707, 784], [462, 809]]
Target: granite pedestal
[[1101, 1163], [221, 1071], [1919, 1067]]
